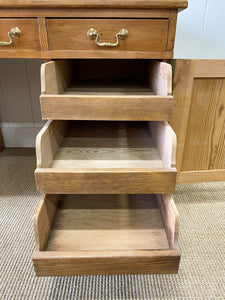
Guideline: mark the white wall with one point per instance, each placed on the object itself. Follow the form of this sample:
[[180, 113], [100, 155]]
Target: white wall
[[200, 34], [19, 101], [201, 30]]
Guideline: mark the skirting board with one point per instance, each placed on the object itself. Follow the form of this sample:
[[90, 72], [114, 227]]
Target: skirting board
[[201, 176], [19, 136]]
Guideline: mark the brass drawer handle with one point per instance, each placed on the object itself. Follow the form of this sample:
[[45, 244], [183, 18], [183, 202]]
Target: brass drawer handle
[[94, 34], [14, 32]]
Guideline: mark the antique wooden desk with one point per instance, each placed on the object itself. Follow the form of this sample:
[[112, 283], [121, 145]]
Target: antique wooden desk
[[106, 182]]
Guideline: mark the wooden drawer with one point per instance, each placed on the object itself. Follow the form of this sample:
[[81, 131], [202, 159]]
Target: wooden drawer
[[29, 39], [88, 157], [106, 234], [143, 35], [106, 90]]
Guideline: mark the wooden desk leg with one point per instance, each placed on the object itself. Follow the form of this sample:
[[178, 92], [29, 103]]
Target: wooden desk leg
[[1, 141]]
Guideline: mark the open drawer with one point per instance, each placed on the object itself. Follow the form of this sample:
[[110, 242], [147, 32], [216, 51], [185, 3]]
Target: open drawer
[[103, 157], [106, 90], [106, 234]]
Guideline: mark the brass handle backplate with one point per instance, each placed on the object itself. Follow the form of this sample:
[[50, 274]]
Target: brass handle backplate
[[94, 35], [14, 32]]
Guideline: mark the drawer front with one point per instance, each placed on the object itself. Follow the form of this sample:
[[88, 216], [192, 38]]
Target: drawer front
[[89, 107], [143, 35], [64, 181], [29, 39]]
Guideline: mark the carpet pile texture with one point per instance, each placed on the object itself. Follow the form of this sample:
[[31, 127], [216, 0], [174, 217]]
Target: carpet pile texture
[[201, 240]]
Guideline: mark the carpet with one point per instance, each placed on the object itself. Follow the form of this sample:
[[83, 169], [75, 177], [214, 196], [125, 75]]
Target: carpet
[[202, 243]]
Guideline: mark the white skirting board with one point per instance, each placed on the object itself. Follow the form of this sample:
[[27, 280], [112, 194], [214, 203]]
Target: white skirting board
[[20, 136]]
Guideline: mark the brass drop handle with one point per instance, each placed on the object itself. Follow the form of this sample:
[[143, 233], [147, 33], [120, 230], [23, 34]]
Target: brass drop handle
[[94, 35], [14, 32]]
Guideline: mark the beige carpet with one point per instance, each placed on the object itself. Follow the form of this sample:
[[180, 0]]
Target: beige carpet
[[202, 242]]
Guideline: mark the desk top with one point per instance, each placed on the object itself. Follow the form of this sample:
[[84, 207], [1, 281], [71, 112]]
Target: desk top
[[93, 3], [60, 28]]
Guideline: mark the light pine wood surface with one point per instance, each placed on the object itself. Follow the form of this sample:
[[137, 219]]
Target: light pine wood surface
[[199, 120], [107, 90], [129, 232], [43, 219], [90, 106], [104, 157], [95, 4], [106, 263], [29, 39], [61, 30], [91, 12], [103, 222], [205, 150], [210, 68], [71, 34]]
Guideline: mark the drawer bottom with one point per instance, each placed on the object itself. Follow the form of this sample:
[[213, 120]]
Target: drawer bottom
[[106, 234]]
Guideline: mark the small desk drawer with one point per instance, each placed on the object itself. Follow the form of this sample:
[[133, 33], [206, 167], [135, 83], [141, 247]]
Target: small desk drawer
[[97, 157], [106, 234], [29, 39], [143, 34], [120, 90]]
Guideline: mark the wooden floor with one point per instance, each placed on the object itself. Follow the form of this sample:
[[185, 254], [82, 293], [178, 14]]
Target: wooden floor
[[107, 222], [108, 145]]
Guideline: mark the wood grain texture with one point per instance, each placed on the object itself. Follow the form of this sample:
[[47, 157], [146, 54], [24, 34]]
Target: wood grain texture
[[48, 142], [78, 245], [110, 157], [29, 39], [106, 263], [88, 74], [144, 35], [111, 181], [108, 107], [108, 90], [55, 76], [206, 68], [84, 12], [59, 54], [43, 218], [182, 91], [170, 218], [98, 144], [149, 44], [172, 30], [198, 120], [107, 222], [201, 176], [116, 76], [205, 139], [43, 35], [94, 4]]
